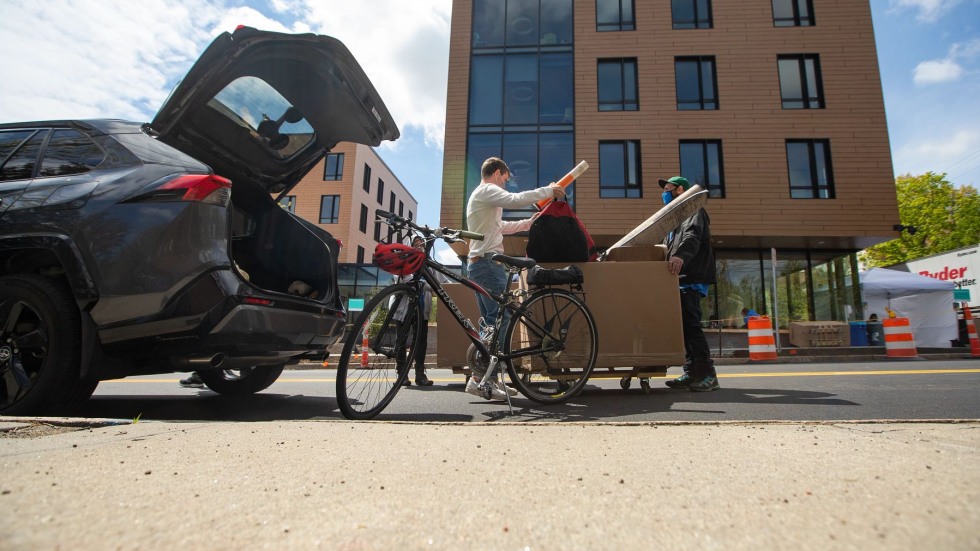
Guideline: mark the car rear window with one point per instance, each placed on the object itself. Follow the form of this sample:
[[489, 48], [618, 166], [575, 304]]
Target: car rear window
[[253, 103], [70, 152]]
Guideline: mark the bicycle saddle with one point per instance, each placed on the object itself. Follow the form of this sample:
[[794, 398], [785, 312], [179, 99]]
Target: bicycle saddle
[[517, 261]]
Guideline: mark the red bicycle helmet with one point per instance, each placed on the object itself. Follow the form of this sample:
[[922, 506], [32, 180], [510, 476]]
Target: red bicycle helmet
[[398, 259]]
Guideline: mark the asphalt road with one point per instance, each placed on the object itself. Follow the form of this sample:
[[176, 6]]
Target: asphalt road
[[874, 390]]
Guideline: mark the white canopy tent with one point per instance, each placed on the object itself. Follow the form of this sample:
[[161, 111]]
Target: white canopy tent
[[927, 302]]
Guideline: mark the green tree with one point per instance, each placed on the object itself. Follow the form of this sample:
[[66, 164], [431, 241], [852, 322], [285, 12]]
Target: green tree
[[945, 217]]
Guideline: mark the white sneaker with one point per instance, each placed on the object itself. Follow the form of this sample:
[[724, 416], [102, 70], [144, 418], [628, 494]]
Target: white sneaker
[[498, 392], [504, 388]]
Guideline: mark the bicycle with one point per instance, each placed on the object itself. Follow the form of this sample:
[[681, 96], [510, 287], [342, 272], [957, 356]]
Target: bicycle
[[548, 347]]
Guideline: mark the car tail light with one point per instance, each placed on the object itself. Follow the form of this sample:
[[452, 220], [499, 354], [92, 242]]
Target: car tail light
[[340, 244], [257, 301], [205, 188]]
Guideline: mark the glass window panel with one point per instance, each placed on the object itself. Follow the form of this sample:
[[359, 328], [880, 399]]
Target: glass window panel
[[556, 159], [329, 209], [21, 163], [612, 164], [381, 191], [626, 8], [629, 83], [683, 13], [798, 156], [480, 148], [790, 84], [253, 103], [488, 23], [70, 152], [486, 94], [708, 82], [557, 101], [333, 167], [289, 203], [739, 285], [607, 13], [10, 140], [522, 22], [632, 164], [782, 9], [610, 81], [521, 89], [367, 179], [556, 22], [521, 154], [688, 88]]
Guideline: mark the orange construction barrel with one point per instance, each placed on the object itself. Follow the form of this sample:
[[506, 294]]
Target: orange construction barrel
[[762, 344], [899, 342]]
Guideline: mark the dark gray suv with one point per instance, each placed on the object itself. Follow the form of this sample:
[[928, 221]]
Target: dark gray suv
[[129, 248]]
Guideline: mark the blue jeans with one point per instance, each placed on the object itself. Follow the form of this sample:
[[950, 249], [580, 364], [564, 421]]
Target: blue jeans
[[493, 277]]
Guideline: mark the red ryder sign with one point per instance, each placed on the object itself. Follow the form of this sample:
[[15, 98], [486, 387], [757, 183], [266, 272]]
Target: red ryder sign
[[961, 266]]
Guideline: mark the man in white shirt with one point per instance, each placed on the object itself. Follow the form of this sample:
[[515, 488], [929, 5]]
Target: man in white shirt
[[484, 215]]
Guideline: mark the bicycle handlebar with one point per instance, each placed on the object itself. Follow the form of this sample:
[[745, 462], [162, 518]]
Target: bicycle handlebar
[[447, 234]]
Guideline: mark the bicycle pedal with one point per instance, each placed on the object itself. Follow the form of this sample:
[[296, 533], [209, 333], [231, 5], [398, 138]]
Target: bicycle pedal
[[486, 390]]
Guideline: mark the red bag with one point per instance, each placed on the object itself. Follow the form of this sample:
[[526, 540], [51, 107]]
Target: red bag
[[557, 235]]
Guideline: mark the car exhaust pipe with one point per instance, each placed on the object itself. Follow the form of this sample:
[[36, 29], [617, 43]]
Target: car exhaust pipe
[[202, 362]]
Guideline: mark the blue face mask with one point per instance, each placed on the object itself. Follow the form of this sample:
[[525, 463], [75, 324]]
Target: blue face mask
[[667, 197]]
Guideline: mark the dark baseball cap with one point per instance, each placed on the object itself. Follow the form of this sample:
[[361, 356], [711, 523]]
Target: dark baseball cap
[[679, 181]]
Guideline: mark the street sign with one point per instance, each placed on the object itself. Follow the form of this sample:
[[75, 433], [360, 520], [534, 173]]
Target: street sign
[[355, 304], [961, 294]]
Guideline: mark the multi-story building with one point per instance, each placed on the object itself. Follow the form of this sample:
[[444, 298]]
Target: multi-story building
[[342, 193], [774, 106]]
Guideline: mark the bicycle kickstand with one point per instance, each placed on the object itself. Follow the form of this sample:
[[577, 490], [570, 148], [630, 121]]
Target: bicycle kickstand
[[496, 375]]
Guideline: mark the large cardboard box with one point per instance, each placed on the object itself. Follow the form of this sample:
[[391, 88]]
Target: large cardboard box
[[813, 334], [636, 306]]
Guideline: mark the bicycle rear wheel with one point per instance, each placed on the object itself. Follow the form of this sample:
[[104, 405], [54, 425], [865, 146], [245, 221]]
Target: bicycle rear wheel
[[378, 353], [557, 334]]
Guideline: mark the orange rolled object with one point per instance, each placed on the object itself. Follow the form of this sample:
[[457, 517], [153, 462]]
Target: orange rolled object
[[565, 181]]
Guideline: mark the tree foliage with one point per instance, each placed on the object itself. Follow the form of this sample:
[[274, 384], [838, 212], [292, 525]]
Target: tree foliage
[[945, 217]]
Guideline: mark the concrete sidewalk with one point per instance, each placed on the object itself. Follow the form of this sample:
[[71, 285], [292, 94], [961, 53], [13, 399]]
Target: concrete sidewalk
[[371, 485]]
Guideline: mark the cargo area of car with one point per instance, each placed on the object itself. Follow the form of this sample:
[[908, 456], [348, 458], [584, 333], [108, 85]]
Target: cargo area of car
[[277, 252]]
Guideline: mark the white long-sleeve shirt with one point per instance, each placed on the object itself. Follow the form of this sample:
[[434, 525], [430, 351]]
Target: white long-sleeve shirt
[[485, 210]]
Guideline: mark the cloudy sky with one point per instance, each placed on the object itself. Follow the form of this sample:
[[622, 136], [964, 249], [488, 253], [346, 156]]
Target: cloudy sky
[[120, 58]]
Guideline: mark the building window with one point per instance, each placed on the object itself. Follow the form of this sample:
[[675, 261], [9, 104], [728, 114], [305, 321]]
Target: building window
[[381, 191], [333, 168], [691, 14], [800, 82], [695, 82], [362, 225], [701, 164], [534, 158], [617, 85], [521, 89], [329, 209], [367, 179], [360, 254], [521, 23], [614, 15], [410, 215], [619, 169], [391, 202], [811, 175], [289, 203], [377, 231], [792, 13], [401, 208]]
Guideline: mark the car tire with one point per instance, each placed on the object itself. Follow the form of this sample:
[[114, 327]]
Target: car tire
[[40, 348], [241, 382]]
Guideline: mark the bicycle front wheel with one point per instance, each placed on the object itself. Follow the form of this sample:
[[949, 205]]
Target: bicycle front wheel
[[379, 350], [555, 337]]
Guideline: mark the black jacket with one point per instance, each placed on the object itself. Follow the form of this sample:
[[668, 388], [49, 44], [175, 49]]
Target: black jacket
[[691, 241]]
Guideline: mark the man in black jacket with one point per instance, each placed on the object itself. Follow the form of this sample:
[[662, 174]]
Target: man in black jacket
[[689, 254]]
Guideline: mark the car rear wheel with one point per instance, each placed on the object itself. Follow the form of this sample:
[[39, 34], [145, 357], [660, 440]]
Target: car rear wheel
[[40, 348], [241, 382]]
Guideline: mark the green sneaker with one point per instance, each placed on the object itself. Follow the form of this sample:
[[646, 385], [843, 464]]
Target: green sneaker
[[681, 382], [704, 384]]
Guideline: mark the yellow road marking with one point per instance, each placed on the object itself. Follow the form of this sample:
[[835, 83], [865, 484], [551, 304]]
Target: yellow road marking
[[720, 375]]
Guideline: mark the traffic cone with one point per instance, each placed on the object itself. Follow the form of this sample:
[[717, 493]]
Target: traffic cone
[[899, 342], [762, 344], [364, 350], [971, 331]]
